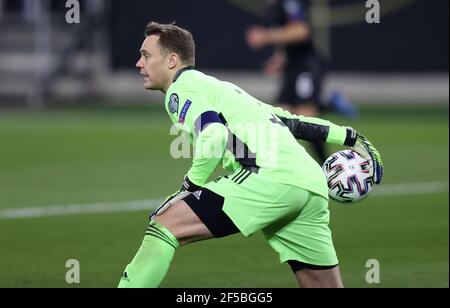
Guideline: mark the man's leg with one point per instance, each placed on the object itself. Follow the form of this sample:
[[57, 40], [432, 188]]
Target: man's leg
[[305, 242], [176, 227], [315, 276], [308, 278], [184, 224]]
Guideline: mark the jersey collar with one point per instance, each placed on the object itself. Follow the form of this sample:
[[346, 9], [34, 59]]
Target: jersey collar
[[181, 71]]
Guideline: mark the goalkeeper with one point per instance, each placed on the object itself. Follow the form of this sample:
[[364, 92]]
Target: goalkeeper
[[273, 185]]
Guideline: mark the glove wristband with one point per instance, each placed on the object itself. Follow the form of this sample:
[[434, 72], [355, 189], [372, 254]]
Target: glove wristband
[[351, 138]]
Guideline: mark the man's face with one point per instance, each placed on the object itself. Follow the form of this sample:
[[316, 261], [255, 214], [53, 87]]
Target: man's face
[[153, 65]]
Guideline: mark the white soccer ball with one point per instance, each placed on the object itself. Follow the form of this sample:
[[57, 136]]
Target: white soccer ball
[[349, 176]]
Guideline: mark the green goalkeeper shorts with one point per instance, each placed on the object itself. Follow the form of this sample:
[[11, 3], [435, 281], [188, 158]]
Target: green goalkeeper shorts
[[293, 220]]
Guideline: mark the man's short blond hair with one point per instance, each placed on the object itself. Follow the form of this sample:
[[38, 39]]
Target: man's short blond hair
[[173, 39]]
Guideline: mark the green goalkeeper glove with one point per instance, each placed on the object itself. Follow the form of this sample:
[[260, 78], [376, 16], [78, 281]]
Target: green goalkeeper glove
[[186, 189], [368, 151]]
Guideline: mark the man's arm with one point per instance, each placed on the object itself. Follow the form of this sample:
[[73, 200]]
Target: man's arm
[[315, 129], [292, 33], [208, 134], [210, 143], [292, 26]]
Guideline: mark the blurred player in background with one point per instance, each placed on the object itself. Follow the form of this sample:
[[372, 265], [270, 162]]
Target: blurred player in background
[[303, 71], [274, 186]]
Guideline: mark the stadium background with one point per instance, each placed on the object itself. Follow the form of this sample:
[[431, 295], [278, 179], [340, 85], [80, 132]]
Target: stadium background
[[84, 150]]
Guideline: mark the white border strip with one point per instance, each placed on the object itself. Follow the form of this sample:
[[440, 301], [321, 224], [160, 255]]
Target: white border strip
[[410, 189], [77, 209], [152, 204]]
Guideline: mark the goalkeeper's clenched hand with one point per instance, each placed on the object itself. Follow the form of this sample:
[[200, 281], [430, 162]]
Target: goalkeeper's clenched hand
[[186, 189], [369, 152]]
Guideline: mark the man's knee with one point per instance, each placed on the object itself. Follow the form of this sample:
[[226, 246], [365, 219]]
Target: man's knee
[[159, 231], [312, 276], [182, 222]]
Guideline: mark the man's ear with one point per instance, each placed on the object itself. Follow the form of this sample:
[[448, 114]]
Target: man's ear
[[173, 60]]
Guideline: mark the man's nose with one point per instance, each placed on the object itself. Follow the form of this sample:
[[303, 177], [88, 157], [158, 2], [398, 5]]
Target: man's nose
[[139, 64]]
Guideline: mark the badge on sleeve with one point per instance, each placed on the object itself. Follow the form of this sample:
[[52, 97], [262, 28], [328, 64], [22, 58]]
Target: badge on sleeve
[[174, 101], [183, 113]]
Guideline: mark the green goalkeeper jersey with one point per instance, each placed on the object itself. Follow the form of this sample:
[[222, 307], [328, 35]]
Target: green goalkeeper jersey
[[227, 125]]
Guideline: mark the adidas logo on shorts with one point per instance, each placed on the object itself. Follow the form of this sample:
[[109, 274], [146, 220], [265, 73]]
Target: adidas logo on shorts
[[197, 194]]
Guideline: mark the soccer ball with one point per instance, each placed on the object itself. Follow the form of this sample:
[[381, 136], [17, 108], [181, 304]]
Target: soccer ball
[[349, 176]]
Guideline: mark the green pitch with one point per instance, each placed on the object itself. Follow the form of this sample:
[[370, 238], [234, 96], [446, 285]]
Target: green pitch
[[55, 158]]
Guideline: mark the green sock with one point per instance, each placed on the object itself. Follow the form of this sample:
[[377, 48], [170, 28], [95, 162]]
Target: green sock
[[152, 261]]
